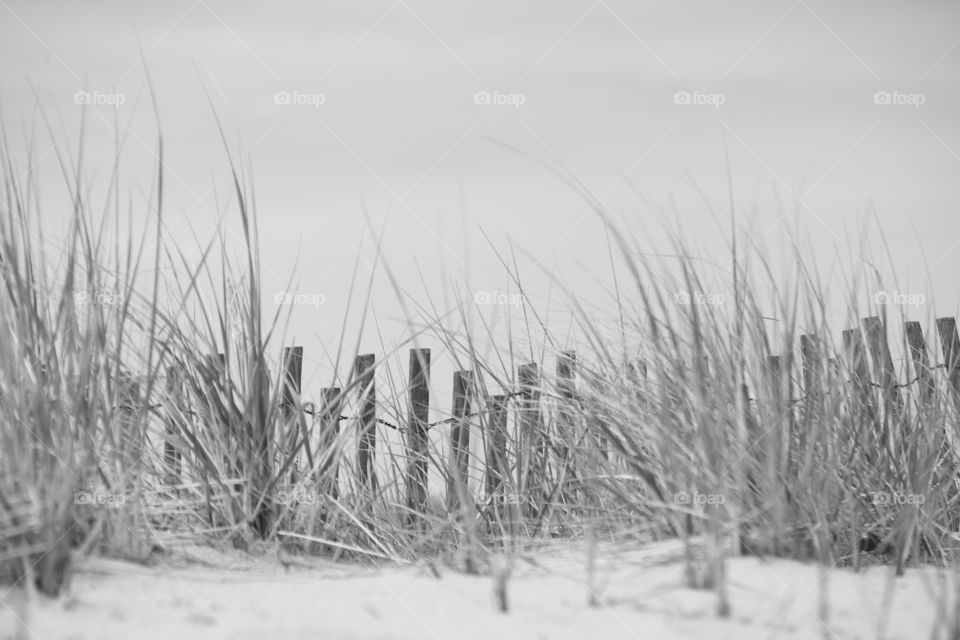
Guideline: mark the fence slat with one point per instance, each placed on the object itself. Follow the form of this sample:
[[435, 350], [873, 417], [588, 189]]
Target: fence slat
[[289, 399], [812, 364], [595, 413], [921, 360], [777, 442], [292, 380], [566, 419], [458, 484], [258, 456], [950, 344], [864, 407], [328, 449], [496, 453], [531, 472], [812, 361], [876, 334], [363, 371], [172, 456], [781, 389], [417, 442], [130, 429]]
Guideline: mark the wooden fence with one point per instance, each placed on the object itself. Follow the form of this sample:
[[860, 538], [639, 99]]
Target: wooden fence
[[865, 354]]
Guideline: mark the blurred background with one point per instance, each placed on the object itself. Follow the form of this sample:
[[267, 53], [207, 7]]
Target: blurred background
[[441, 132]]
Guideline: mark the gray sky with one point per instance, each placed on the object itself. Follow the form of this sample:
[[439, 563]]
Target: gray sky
[[399, 130]]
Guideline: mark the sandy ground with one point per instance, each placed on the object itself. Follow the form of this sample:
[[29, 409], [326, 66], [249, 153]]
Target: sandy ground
[[641, 595]]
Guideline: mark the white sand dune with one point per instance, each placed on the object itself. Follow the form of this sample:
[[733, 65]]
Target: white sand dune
[[641, 595]]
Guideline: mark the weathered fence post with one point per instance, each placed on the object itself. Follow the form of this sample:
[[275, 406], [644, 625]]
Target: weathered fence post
[[777, 444], [876, 334], [780, 385], [290, 397], [926, 409], [417, 441], [496, 459], [328, 449], [856, 357], [950, 345], [595, 413], [172, 455], [215, 375], [566, 420], [531, 476], [812, 362], [363, 370], [130, 427], [258, 454], [921, 361], [292, 380], [864, 408], [458, 485]]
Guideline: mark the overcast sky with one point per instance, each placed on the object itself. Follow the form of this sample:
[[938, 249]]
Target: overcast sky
[[847, 108]]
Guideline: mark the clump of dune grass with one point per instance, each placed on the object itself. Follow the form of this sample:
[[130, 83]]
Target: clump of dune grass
[[770, 442], [78, 359], [709, 422]]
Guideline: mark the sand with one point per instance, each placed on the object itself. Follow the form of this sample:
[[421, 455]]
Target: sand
[[640, 594]]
